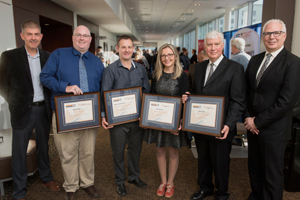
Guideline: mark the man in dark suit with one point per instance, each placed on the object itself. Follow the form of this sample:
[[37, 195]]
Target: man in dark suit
[[218, 76], [273, 82], [29, 105]]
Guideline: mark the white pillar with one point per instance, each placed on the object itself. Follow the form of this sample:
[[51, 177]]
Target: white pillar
[[196, 37], [296, 39], [227, 19]]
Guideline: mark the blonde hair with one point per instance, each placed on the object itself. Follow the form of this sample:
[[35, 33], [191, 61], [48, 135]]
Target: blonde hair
[[138, 54], [157, 73]]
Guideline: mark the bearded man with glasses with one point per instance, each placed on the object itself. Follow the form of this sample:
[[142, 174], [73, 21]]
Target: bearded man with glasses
[[273, 87]]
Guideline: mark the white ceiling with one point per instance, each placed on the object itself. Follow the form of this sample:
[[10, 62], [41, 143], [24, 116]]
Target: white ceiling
[[153, 19]]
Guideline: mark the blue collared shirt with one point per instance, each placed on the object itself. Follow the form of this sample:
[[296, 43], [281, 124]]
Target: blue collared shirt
[[62, 70], [35, 70]]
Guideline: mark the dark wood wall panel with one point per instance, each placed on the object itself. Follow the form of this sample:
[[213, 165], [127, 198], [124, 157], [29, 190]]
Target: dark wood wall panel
[[46, 8]]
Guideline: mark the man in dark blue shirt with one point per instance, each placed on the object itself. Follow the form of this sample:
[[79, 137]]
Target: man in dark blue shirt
[[75, 70], [124, 73]]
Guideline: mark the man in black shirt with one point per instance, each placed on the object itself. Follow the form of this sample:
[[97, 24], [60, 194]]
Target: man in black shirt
[[124, 73]]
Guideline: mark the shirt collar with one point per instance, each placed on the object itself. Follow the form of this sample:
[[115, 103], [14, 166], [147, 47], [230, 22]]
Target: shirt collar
[[120, 64], [275, 53], [241, 51], [75, 52], [217, 62], [37, 55]]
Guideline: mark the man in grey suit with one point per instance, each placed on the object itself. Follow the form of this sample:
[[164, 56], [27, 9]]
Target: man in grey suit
[[273, 87]]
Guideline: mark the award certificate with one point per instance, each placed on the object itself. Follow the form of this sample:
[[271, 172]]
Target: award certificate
[[124, 105], [161, 112], [203, 114], [78, 111]]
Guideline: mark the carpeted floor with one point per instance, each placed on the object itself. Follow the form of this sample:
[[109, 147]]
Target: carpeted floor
[[185, 180]]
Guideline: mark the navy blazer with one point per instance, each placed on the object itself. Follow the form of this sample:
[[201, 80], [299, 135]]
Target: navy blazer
[[16, 85]]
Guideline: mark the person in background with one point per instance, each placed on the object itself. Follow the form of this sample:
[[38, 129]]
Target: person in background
[[237, 48], [194, 57], [112, 57], [273, 87], [99, 53], [121, 74], [217, 76], [29, 105], [185, 57], [75, 70], [168, 79]]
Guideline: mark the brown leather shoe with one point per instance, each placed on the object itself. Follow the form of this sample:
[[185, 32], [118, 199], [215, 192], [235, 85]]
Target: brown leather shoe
[[92, 191], [70, 196], [53, 186]]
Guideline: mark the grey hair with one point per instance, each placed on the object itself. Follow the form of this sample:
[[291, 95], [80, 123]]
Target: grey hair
[[277, 21], [238, 43], [213, 35]]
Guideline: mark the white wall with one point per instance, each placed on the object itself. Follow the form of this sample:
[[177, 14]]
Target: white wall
[[7, 42], [296, 30]]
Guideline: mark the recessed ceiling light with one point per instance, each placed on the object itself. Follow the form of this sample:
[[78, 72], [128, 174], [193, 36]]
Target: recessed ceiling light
[[131, 8], [197, 4], [135, 18], [157, 7]]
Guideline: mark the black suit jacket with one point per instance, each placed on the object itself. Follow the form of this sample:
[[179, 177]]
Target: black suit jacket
[[228, 80], [272, 101], [16, 85]]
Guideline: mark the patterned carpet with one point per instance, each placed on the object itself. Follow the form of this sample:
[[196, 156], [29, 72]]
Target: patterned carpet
[[185, 180]]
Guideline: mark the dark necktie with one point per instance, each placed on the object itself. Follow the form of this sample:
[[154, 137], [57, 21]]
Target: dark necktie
[[84, 86], [211, 71], [263, 68]]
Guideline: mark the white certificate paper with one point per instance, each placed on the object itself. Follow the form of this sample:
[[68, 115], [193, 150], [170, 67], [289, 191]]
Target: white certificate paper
[[79, 111], [161, 112], [124, 105], [203, 114]]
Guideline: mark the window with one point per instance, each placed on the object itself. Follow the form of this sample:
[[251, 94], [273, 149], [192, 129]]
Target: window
[[221, 24], [233, 19], [210, 26], [257, 11], [243, 16]]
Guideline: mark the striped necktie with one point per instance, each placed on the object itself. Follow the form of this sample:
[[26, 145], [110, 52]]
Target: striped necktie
[[263, 68], [211, 71]]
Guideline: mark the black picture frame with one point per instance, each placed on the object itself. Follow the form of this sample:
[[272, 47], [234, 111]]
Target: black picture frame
[[77, 112], [161, 112], [204, 115], [115, 105]]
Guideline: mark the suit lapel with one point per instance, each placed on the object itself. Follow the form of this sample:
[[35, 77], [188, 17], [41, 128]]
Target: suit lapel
[[280, 57], [24, 60], [254, 68], [43, 58], [221, 67]]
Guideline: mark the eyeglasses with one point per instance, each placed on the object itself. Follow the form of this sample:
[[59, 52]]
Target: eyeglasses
[[84, 36], [275, 33], [170, 55]]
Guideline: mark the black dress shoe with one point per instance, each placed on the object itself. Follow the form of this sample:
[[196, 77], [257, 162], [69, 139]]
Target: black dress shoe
[[200, 194], [138, 183], [121, 190]]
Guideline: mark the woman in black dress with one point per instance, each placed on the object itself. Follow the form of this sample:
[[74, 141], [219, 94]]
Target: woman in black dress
[[168, 79]]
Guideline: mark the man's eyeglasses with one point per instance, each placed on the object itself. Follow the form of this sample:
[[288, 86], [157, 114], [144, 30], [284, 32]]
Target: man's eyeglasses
[[170, 55], [275, 33], [84, 36]]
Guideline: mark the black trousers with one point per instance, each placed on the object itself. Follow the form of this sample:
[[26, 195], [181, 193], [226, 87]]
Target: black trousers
[[38, 119], [132, 134], [213, 157], [265, 165]]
